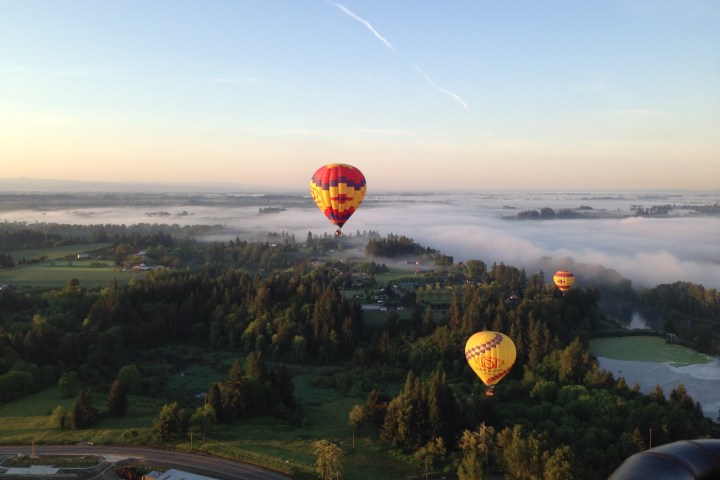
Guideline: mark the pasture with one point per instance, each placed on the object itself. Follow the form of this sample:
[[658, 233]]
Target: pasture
[[54, 253], [60, 265]]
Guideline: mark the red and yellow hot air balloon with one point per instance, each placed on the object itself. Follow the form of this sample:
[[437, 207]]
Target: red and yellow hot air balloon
[[564, 280], [491, 356], [338, 189]]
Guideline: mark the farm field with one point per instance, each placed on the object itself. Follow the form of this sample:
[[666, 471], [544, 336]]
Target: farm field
[[55, 253], [57, 274], [61, 265]]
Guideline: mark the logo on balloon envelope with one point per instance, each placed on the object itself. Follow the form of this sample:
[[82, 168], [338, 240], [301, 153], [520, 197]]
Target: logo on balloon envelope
[[491, 355], [564, 280]]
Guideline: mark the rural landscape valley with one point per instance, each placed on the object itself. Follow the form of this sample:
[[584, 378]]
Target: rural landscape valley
[[359, 240], [236, 324]]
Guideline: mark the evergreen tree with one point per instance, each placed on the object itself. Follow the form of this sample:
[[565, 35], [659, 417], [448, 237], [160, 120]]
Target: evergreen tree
[[68, 384], [117, 401], [214, 398], [83, 413]]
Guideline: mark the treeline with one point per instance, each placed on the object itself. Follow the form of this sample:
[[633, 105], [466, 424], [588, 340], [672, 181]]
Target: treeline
[[689, 310], [22, 235], [6, 261], [547, 213], [297, 316], [251, 389], [394, 246], [27, 238], [253, 255]]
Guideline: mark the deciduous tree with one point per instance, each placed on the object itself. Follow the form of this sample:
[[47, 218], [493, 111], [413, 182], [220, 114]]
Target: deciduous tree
[[329, 460]]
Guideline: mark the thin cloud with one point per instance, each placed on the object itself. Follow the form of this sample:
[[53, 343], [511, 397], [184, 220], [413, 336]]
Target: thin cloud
[[369, 26], [385, 41], [440, 89]]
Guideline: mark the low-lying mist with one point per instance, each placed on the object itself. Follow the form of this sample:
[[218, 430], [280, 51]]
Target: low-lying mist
[[680, 246]]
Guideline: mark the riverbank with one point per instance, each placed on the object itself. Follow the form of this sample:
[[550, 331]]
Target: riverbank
[[649, 362]]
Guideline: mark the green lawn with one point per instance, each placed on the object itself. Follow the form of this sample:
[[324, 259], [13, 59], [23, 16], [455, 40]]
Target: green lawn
[[646, 349]]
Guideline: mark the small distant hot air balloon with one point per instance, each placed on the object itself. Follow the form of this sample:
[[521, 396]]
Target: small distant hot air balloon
[[491, 356], [564, 280], [338, 189]]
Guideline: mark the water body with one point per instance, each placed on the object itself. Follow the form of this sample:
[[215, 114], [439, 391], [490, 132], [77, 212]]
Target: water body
[[701, 381]]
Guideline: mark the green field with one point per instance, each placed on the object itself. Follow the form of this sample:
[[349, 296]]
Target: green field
[[264, 441], [62, 265], [53, 253], [646, 349], [57, 273]]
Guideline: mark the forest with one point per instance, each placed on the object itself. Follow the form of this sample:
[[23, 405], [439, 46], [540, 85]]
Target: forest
[[278, 306]]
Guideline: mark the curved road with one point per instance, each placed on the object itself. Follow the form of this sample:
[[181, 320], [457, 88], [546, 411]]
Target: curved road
[[201, 464]]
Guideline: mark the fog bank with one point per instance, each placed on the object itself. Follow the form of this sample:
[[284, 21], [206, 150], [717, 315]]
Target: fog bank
[[681, 246]]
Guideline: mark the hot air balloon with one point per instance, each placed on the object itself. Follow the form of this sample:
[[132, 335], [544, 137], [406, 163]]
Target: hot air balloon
[[491, 355], [338, 189], [564, 280]]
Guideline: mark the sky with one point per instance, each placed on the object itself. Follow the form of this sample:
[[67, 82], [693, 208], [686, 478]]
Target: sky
[[418, 94]]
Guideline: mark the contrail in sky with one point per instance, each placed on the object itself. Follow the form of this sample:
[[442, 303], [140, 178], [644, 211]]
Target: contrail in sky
[[354, 16], [440, 89], [377, 35]]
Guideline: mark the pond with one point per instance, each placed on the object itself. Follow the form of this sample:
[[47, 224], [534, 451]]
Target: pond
[[649, 362]]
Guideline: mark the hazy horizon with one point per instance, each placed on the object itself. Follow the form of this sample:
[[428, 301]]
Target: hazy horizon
[[649, 251]]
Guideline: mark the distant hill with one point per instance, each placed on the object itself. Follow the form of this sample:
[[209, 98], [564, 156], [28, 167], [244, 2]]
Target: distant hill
[[45, 185]]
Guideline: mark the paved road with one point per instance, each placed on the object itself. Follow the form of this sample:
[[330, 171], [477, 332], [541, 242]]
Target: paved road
[[201, 464]]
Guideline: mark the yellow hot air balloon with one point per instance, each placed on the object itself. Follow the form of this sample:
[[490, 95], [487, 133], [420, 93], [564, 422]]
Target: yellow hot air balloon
[[338, 189], [564, 280], [491, 356]]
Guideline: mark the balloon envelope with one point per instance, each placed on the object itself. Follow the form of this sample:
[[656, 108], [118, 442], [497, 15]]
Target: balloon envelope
[[491, 356], [338, 189], [564, 280]]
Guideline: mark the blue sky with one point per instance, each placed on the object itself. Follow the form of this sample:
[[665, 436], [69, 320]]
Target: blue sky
[[417, 94]]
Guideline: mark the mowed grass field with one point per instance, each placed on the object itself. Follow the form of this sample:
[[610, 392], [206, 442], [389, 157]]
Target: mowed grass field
[[62, 265], [646, 349]]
